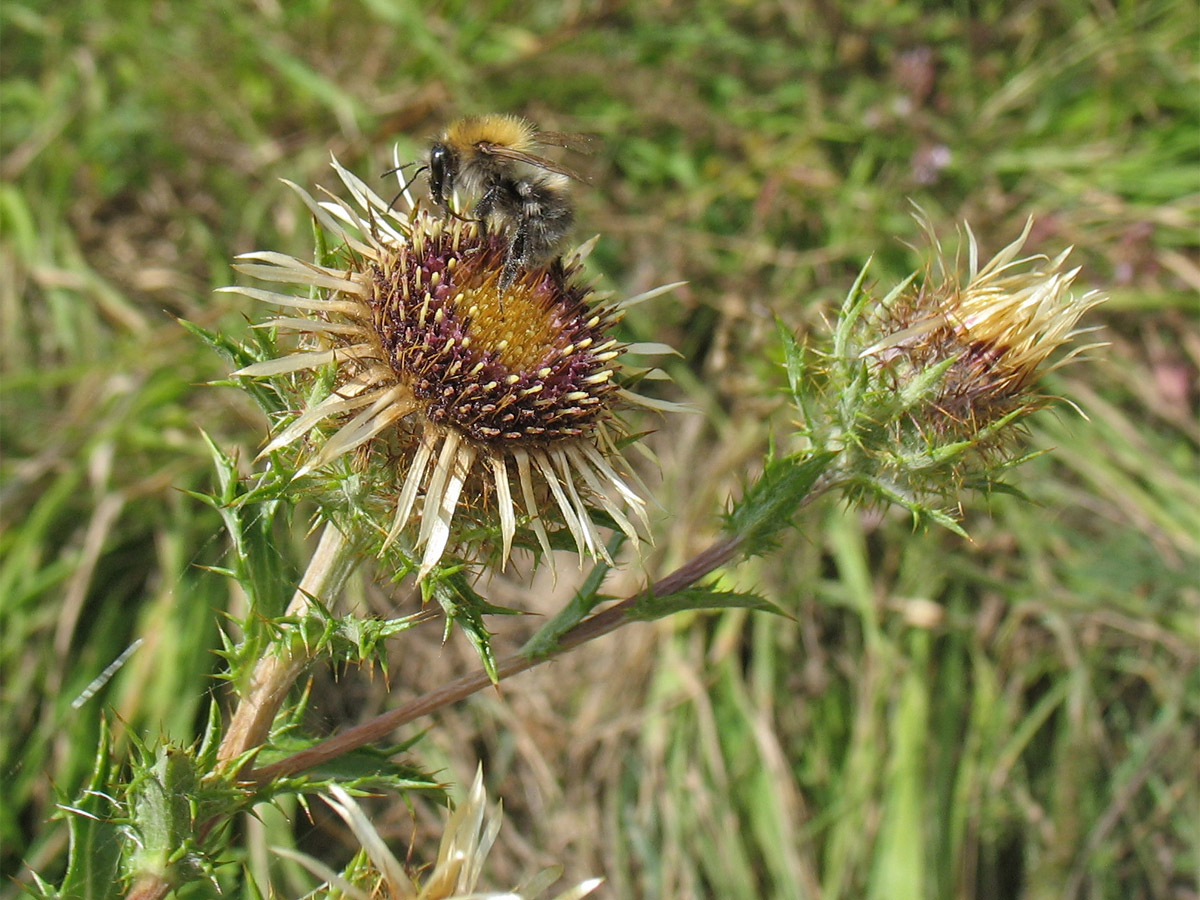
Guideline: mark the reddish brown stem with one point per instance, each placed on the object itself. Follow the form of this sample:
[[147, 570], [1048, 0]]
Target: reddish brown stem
[[600, 624]]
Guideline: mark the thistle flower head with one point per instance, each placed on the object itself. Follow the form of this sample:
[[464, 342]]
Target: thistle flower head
[[464, 848], [951, 368], [490, 403], [994, 334]]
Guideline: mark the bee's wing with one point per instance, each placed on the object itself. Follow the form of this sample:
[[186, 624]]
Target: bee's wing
[[580, 143], [529, 159]]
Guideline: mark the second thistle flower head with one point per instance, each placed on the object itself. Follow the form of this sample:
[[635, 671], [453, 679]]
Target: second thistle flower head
[[993, 335], [493, 402], [950, 368]]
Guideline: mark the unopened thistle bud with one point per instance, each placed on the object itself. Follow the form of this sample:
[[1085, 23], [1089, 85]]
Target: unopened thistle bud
[[495, 404]]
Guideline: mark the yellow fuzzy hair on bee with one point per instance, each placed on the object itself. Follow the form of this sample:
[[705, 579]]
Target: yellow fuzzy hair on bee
[[507, 130]]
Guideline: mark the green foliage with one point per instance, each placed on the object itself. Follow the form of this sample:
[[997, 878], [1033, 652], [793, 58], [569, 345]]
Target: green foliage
[[768, 506], [256, 565], [167, 807], [465, 607], [93, 863], [545, 642], [368, 768], [237, 355]]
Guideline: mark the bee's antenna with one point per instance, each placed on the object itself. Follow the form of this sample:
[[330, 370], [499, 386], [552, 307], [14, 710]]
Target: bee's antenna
[[395, 169], [405, 183]]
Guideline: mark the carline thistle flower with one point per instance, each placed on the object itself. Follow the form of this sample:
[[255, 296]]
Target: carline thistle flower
[[961, 358], [484, 395], [470, 833], [995, 333]]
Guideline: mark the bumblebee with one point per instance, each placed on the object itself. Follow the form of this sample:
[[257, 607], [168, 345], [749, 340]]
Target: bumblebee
[[518, 193]]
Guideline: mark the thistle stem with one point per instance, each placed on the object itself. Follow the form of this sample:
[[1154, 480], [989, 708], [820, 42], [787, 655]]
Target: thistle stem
[[605, 621], [283, 662]]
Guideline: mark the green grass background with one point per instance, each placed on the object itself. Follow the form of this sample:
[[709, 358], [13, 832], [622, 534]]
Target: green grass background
[[1012, 717]]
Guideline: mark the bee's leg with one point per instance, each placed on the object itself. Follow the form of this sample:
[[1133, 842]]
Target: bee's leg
[[515, 205], [542, 218], [486, 206], [557, 272], [517, 255]]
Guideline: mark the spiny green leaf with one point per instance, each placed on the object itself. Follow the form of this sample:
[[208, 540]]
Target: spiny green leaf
[[545, 642], [648, 609], [794, 362], [366, 768], [210, 740], [769, 503], [466, 608], [95, 838], [940, 517], [257, 563], [924, 385], [164, 797], [362, 640], [160, 797], [921, 512], [264, 392], [852, 308]]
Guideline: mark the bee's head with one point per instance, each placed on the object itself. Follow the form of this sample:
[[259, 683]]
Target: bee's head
[[443, 167]]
